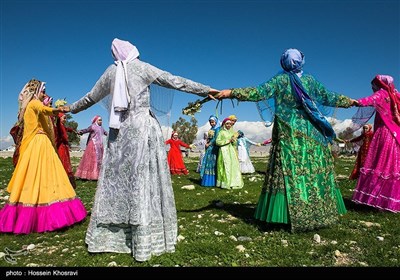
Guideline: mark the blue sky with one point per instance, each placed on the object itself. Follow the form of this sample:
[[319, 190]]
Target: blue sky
[[223, 44]]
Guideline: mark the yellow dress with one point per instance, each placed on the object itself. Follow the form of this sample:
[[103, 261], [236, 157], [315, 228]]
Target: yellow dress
[[41, 195]]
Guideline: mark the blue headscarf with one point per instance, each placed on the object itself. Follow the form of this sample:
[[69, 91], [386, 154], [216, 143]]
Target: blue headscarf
[[217, 123], [292, 61]]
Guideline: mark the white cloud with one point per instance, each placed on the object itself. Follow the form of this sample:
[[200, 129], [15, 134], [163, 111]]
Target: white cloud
[[6, 142], [257, 132]]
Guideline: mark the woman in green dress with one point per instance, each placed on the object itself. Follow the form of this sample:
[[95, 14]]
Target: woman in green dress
[[299, 189], [228, 167]]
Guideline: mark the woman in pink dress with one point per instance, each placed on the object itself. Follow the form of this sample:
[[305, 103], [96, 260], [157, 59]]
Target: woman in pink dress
[[89, 166], [379, 182], [175, 160]]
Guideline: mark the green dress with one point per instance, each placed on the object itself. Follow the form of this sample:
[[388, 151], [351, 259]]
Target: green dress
[[228, 168], [299, 187]]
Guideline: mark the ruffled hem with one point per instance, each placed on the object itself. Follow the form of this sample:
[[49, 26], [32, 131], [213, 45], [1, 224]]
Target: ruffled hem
[[182, 171], [23, 219], [375, 191]]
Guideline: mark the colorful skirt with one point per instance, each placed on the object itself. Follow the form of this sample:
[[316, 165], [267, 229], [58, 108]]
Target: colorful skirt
[[41, 196]]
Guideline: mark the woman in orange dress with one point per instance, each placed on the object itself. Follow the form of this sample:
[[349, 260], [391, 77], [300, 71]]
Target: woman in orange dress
[[41, 196]]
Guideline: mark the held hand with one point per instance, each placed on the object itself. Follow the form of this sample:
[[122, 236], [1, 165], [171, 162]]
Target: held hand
[[212, 93], [65, 109], [226, 93], [355, 103]]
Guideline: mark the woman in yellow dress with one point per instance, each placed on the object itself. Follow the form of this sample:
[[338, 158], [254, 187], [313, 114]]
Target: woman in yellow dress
[[41, 195]]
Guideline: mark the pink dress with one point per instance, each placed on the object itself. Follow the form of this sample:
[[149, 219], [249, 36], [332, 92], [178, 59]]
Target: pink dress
[[379, 182]]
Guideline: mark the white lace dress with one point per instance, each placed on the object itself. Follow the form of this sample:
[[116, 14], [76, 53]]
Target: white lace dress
[[246, 166], [134, 208]]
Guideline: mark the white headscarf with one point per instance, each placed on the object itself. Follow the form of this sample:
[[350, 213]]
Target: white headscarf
[[123, 52]]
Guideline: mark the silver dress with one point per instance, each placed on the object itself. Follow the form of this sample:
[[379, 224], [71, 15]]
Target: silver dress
[[134, 208]]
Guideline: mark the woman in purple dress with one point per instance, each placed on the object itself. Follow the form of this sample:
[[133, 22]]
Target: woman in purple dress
[[89, 166], [379, 182]]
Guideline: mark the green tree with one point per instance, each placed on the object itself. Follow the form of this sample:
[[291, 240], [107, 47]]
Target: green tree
[[346, 134], [187, 130], [73, 138]]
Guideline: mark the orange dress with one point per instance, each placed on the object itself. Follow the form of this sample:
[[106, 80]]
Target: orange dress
[[41, 195]]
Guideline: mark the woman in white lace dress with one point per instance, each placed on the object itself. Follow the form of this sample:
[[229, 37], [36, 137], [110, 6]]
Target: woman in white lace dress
[[244, 143], [134, 208]]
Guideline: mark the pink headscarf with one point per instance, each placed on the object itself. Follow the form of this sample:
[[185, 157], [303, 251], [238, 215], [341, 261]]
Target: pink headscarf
[[95, 118], [386, 82], [123, 52]]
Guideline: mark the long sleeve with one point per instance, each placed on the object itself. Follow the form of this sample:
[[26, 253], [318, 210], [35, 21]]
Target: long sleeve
[[183, 144], [263, 91], [101, 89], [371, 100], [249, 141], [179, 83], [86, 130]]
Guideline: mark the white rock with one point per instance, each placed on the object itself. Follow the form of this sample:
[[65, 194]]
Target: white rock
[[218, 233], [112, 264], [284, 242], [30, 247], [240, 248], [337, 253], [233, 238], [333, 242], [317, 238], [180, 238], [2, 254], [65, 250], [380, 238], [32, 264], [188, 187]]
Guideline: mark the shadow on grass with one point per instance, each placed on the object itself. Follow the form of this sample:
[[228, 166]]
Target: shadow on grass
[[244, 212], [196, 181], [357, 207]]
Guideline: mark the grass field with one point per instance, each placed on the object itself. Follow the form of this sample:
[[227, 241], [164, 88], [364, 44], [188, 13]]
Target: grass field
[[217, 229]]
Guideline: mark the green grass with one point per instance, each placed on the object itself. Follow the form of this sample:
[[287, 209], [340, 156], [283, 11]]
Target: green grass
[[210, 235]]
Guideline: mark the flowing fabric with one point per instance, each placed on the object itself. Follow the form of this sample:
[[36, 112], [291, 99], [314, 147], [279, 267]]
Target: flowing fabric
[[299, 188], [123, 52], [41, 196], [134, 208], [292, 62], [379, 182]]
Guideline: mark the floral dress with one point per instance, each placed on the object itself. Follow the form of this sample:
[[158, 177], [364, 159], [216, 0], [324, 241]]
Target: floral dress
[[299, 187]]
